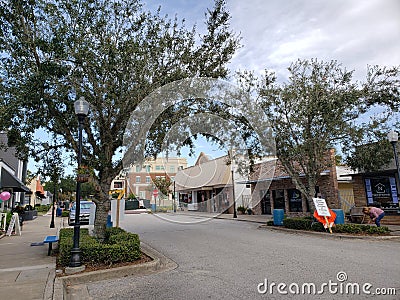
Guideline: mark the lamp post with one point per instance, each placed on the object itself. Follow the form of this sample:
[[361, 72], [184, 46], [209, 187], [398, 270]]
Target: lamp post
[[53, 208], [233, 185], [173, 198], [393, 137], [81, 110]]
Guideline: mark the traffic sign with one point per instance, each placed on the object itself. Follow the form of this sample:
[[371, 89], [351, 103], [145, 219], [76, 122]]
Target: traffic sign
[[155, 193]]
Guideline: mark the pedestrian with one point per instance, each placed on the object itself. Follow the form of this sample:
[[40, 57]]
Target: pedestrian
[[376, 214]]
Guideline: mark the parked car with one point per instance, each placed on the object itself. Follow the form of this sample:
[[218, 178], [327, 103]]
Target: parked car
[[84, 213]]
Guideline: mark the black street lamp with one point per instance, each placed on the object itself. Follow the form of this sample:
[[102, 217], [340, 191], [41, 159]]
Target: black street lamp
[[173, 197], [393, 137], [233, 183], [81, 110], [53, 208]]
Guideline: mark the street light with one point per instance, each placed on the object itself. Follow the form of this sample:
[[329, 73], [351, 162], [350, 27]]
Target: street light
[[173, 197], [233, 185], [393, 137], [53, 208], [81, 110]]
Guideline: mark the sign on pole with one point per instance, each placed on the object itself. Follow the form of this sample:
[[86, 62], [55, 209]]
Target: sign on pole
[[155, 193], [321, 207]]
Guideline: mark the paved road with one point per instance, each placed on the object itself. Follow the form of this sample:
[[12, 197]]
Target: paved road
[[224, 259]]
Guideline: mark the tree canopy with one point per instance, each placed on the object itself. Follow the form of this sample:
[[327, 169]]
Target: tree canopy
[[113, 53], [318, 108]]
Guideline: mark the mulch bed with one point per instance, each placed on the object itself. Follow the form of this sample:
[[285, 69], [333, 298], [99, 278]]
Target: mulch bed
[[90, 268]]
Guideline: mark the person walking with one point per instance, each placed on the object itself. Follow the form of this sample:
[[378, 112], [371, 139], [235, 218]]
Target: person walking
[[376, 214]]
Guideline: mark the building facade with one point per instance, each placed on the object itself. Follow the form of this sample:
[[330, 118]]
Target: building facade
[[207, 186], [138, 179], [274, 189]]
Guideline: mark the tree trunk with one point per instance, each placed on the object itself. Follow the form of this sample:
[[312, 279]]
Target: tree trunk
[[102, 209]]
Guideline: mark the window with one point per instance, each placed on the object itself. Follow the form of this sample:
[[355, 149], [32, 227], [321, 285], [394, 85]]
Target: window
[[172, 169], [148, 167], [142, 195], [159, 168], [118, 185], [137, 179], [295, 204], [147, 179], [138, 169]]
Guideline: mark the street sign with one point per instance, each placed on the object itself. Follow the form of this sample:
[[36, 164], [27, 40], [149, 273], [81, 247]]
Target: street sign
[[155, 193], [321, 207]]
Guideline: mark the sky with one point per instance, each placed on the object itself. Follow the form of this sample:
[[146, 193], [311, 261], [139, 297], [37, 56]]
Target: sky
[[275, 33]]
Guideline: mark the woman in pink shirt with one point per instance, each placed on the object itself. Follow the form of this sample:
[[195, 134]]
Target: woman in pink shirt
[[375, 213]]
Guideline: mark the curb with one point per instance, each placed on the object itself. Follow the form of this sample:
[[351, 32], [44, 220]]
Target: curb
[[64, 289], [333, 236]]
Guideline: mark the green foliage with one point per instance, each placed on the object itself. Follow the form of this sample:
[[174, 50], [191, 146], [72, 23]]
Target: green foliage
[[119, 246], [359, 229], [43, 208], [65, 213], [297, 223], [270, 223], [56, 51], [306, 223], [317, 109], [241, 209]]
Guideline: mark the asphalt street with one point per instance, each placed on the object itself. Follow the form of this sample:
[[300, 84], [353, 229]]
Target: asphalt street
[[224, 259]]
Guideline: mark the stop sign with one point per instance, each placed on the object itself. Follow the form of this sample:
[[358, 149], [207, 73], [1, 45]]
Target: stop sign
[[155, 193]]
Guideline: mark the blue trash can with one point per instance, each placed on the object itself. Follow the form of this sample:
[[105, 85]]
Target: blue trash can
[[153, 207], [278, 217], [339, 216], [109, 223], [58, 212]]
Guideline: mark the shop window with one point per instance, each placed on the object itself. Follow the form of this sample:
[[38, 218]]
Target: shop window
[[295, 201], [279, 199]]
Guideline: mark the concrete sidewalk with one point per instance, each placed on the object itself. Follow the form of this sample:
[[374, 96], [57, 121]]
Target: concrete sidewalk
[[26, 272]]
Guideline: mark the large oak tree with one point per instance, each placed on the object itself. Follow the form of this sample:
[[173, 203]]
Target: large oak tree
[[113, 53]]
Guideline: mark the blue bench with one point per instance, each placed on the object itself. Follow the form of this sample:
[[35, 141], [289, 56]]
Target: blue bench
[[50, 239]]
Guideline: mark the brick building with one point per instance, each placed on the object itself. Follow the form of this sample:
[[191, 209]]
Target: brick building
[[272, 188]]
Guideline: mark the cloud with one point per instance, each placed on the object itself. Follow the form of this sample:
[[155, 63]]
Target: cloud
[[354, 32]]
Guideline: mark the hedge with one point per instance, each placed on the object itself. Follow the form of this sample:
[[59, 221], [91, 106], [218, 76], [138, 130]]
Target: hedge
[[298, 223], [118, 246], [309, 224]]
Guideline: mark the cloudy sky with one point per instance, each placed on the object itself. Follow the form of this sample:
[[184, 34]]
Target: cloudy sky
[[275, 33]]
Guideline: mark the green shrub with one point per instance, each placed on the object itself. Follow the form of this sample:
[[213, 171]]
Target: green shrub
[[270, 223], [241, 209], [119, 246], [297, 223], [42, 208], [357, 229], [65, 213], [317, 226]]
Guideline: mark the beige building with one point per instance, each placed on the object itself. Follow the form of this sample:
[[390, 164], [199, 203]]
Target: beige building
[[207, 186]]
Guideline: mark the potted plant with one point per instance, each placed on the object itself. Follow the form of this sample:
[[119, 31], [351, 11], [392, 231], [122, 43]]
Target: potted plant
[[83, 174], [241, 209]]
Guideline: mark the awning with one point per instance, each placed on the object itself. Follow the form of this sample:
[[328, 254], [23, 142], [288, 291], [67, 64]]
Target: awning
[[9, 181]]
